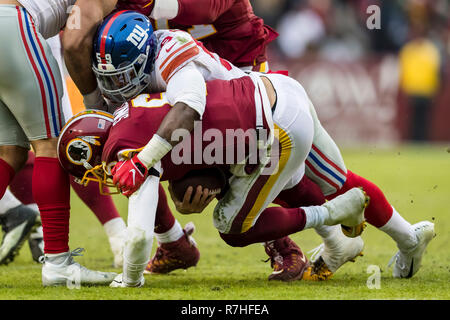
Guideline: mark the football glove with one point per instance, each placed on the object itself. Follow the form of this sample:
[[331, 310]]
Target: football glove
[[129, 175]]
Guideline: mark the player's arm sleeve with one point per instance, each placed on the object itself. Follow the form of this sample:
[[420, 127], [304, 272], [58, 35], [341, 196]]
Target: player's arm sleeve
[[188, 86], [192, 12], [186, 91]]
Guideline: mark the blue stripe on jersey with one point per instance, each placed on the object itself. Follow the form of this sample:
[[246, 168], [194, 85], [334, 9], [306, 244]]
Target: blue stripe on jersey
[[325, 168]]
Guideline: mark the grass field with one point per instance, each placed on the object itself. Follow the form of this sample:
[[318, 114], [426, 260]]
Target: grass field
[[415, 179]]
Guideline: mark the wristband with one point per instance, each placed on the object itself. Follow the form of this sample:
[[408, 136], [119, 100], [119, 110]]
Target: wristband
[[154, 151], [165, 9]]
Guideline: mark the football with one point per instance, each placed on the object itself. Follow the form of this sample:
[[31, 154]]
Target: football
[[212, 178]]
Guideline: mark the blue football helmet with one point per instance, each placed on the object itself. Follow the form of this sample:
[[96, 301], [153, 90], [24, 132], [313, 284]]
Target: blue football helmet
[[124, 55]]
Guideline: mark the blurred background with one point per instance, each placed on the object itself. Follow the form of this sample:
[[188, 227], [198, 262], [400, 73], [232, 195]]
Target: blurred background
[[377, 71]]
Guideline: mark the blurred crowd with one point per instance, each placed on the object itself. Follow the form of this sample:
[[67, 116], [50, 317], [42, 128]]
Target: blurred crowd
[[337, 29], [416, 31]]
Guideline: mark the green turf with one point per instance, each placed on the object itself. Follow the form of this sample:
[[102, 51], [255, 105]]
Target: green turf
[[415, 179]]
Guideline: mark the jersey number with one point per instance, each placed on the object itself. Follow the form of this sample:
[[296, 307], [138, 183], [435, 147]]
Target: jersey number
[[144, 101]]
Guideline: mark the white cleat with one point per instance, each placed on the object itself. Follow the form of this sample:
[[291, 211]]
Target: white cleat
[[337, 249], [348, 208], [70, 273], [408, 263], [119, 283]]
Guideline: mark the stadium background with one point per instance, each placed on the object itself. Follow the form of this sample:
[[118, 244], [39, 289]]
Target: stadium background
[[353, 76]]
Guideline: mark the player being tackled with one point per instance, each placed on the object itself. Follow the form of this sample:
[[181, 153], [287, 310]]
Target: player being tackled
[[241, 217]]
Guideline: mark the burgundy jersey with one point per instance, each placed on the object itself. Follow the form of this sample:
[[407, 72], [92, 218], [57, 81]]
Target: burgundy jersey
[[227, 27], [230, 109]]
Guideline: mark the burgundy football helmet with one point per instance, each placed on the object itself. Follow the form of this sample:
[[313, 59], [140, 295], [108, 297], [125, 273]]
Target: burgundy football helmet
[[80, 147]]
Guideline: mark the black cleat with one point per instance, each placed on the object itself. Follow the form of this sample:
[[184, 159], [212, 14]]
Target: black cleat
[[17, 224], [36, 240]]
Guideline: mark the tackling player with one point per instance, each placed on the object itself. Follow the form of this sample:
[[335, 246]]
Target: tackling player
[[227, 27], [241, 216]]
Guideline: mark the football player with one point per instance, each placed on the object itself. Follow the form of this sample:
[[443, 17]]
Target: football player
[[228, 27], [272, 106], [325, 165], [30, 107], [159, 60]]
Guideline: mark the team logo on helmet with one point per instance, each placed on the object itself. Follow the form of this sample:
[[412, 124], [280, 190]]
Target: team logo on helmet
[[78, 151], [93, 139]]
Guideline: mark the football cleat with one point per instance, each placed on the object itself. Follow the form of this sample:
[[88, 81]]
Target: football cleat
[[119, 283], [36, 243], [348, 208], [408, 263], [286, 259], [353, 232], [17, 224], [67, 272], [180, 254], [318, 271], [336, 250]]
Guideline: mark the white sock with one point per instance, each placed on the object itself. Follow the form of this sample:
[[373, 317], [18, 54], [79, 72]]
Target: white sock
[[8, 202], [400, 231], [315, 216], [136, 254], [132, 273], [115, 227], [175, 233]]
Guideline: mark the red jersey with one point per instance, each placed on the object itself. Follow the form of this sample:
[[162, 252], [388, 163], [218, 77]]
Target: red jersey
[[227, 27], [230, 109]]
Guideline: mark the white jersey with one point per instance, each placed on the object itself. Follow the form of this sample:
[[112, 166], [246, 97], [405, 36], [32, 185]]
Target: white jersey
[[49, 16], [55, 46], [176, 49], [182, 65]]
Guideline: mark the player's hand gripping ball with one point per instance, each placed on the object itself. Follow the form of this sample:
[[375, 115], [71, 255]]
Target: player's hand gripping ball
[[193, 192]]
